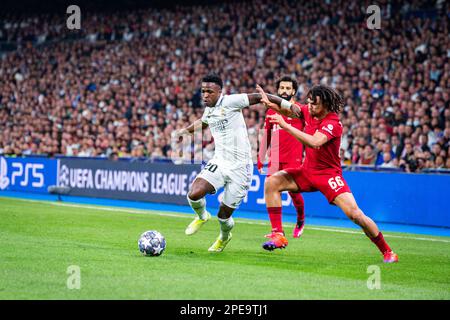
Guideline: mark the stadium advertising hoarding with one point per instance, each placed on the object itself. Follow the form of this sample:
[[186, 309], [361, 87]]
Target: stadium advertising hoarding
[[27, 174], [385, 197], [138, 181]]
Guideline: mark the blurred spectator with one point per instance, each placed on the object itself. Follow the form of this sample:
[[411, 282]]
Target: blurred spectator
[[388, 162], [368, 156]]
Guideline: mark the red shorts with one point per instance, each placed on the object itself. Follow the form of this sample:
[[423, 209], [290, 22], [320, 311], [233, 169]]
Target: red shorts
[[329, 183], [275, 167]]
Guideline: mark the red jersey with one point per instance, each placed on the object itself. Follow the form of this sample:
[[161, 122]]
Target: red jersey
[[327, 156], [284, 148]]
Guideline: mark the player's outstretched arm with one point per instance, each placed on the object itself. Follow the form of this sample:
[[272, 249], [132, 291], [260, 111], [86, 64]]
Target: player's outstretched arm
[[278, 104], [196, 125], [313, 141]]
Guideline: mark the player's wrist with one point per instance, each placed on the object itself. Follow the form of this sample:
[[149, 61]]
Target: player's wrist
[[285, 125], [285, 104]]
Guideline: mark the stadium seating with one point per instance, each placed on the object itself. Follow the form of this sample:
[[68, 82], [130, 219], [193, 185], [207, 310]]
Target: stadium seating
[[124, 82]]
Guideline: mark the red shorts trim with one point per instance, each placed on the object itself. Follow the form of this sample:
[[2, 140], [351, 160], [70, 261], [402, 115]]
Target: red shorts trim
[[329, 183]]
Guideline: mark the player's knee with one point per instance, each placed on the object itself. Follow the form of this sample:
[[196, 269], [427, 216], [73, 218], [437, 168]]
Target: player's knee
[[271, 185], [355, 214], [196, 194]]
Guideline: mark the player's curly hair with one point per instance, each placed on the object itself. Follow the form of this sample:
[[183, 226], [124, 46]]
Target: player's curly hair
[[332, 100], [214, 78]]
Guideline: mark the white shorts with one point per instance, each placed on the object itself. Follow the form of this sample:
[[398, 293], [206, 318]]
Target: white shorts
[[236, 181]]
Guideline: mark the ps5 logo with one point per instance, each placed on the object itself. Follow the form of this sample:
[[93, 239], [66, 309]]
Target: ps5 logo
[[26, 173], [4, 180], [22, 174]]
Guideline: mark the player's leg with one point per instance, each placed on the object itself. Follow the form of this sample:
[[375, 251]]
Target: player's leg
[[275, 215], [226, 223], [274, 185], [299, 205], [347, 203], [298, 202], [207, 182], [236, 188]]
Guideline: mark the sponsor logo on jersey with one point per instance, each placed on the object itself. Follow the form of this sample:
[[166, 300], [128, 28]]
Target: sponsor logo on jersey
[[328, 128], [220, 125]]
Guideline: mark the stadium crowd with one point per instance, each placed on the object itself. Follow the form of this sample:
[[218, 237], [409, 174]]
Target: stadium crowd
[[123, 83]]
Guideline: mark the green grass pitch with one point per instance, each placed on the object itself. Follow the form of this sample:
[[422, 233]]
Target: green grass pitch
[[40, 240]]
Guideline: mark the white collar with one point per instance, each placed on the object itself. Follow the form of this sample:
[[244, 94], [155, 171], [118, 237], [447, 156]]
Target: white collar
[[219, 102]]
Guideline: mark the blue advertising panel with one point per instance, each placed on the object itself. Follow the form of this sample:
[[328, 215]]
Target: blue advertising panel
[[419, 199], [27, 174], [138, 181]]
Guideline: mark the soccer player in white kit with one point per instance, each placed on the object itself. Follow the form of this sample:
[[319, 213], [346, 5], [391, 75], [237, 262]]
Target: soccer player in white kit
[[232, 165]]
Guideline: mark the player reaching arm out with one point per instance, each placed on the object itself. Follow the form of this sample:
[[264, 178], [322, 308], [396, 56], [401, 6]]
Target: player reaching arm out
[[321, 170], [314, 141], [251, 99], [191, 128], [231, 167], [279, 105]]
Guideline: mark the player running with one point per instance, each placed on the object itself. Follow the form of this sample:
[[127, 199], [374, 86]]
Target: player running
[[321, 170], [285, 152], [232, 166]]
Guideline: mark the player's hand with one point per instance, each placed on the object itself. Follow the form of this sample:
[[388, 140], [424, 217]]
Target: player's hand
[[277, 119], [264, 99]]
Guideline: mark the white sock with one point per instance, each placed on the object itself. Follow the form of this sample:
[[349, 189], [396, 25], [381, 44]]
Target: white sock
[[199, 207], [225, 227]]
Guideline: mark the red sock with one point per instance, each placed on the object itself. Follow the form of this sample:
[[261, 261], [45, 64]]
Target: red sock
[[275, 218], [299, 205], [381, 243]]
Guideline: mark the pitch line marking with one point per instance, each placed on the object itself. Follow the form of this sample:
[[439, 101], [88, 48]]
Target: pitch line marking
[[242, 220]]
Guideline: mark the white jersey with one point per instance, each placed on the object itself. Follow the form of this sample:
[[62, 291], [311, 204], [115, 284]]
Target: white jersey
[[228, 128]]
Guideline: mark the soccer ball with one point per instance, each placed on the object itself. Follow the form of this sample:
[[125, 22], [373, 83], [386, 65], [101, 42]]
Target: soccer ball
[[152, 243]]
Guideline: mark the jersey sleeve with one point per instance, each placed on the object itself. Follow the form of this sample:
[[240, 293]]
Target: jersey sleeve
[[236, 101], [301, 110], [205, 115], [331, 128]]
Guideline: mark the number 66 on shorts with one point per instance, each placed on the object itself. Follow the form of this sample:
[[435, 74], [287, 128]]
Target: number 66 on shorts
[[336, 182], [329, 183]]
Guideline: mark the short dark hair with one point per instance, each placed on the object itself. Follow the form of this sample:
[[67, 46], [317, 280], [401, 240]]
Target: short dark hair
[[214, 78], [332, 100], [287, 78]]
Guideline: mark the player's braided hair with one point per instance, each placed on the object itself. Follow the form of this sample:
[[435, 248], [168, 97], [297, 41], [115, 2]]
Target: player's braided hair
[[332, 100]]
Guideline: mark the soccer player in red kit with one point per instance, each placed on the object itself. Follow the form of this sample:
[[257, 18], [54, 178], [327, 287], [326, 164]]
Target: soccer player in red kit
[[321, 170], [285, 152]]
